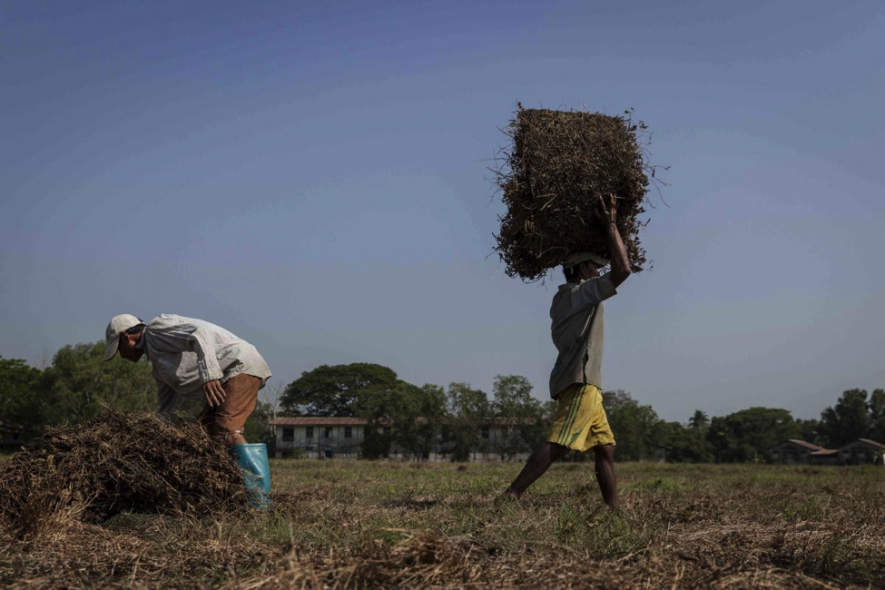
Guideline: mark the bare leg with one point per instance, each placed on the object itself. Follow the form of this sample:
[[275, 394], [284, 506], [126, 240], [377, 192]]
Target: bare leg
[[605, 474], [537, 464]]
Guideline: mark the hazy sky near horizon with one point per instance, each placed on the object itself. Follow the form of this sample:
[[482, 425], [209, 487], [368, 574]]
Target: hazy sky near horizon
[[313, 177]]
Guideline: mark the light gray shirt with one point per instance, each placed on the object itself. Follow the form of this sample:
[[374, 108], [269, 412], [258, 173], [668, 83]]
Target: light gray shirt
[[186, 353], [578, 332]]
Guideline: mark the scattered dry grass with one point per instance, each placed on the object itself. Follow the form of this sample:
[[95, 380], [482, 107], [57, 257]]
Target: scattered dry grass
[[366, 525]]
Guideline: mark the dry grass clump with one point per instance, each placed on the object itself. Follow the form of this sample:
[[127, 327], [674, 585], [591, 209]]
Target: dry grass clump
[[560, 163], [117, 463]]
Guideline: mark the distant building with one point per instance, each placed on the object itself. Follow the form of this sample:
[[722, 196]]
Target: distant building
[[315, 437], [319, 438], [862, 451], [793, 451]]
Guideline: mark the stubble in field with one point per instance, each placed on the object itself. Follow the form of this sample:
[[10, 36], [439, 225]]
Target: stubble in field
[[365, 524]]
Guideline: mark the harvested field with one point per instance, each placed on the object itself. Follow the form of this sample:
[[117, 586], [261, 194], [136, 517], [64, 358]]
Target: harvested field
[[551, 178], [366, 524]]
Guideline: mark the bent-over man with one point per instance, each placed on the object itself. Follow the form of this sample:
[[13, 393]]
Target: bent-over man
[[575, 381], [195, 359]]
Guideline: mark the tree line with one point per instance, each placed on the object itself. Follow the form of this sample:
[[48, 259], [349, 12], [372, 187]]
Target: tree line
[[415, 418], [77, 385]]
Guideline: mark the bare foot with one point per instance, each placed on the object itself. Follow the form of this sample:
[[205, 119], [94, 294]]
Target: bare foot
[[508, 495]]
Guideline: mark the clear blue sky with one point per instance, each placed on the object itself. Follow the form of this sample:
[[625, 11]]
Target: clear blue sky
[[313, 178]]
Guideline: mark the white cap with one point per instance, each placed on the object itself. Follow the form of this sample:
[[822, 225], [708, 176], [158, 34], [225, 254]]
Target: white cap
[[119, 324], [579, 257]]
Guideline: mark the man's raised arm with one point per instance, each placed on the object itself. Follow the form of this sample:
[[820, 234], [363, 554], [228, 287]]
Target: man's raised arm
[[619, 260]]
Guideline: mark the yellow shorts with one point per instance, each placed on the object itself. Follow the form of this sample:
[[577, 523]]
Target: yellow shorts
[[581, 423]]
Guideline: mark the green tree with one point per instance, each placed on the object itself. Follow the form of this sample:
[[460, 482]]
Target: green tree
[[699, 421], [418, 418], [433, 411], [849, 420], [633, 425], [809, 431], [79, 383], [413, 414], [333, 390], [518, 414], [681, 444], [21, 405], [745, 436], [398, 412], [469, 409], [877, 416]]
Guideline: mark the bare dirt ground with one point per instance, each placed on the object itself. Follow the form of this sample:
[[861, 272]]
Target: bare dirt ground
[[369, 525]]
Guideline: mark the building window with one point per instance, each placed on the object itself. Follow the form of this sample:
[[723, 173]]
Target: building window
[[288, 434], [485, 432], [348, 432], [309, 432], [328, 432]]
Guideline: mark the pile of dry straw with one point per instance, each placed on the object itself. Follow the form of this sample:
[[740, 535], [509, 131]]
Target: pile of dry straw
[[118, 463], [558, 166]]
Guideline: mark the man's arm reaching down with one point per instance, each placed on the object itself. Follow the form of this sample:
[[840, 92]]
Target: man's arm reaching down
[[207, 363]]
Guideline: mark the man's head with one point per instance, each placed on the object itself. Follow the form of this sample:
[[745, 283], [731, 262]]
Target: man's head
[[123, 334], [581, 266]]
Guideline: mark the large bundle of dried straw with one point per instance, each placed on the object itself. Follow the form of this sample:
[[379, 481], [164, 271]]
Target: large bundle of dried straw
[[559, 165], [119, 463]]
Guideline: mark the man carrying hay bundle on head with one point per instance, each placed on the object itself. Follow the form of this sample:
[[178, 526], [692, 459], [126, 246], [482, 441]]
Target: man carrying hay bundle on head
[[574, 184], [577, 315], [197, 359]]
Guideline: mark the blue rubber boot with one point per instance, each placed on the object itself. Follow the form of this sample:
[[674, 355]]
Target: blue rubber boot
[[252, 459]]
